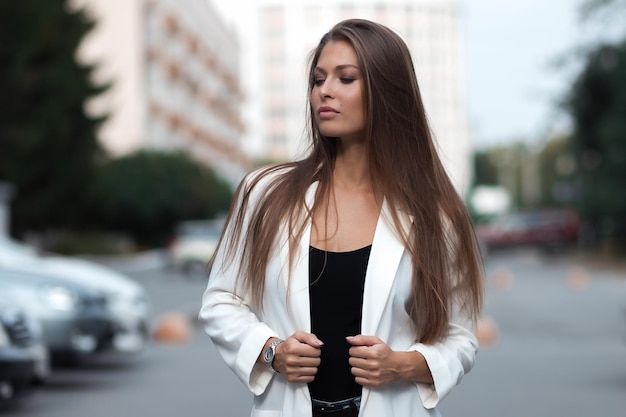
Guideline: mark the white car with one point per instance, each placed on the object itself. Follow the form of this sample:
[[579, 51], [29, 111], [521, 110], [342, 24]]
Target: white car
[[193, 245], [24, 357], [127, 299], [75, 319]]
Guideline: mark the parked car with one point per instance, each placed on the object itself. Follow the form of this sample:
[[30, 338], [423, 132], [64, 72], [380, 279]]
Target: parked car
[[75, 320], [24, 359], [193, 245], [126, 298], [545, 229]]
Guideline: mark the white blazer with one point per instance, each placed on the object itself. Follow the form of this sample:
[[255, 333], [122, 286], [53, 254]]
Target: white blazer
[[239, 333]]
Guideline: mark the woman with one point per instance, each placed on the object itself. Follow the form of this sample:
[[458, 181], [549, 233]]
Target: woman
[[347, 283]]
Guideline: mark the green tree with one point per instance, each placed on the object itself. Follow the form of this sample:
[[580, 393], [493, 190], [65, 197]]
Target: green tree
[[47, 141], [603, 10], [557, 171], [597, 104], [146, 194], [485, 170]]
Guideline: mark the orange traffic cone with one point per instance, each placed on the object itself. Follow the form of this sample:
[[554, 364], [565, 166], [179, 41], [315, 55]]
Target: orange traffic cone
[[172, 328]]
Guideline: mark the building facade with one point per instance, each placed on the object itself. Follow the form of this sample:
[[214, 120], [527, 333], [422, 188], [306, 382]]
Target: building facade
[[174, 73], [279, 34]]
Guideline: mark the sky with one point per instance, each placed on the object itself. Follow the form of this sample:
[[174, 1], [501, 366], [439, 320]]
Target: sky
[[513, 82], [512, 79]]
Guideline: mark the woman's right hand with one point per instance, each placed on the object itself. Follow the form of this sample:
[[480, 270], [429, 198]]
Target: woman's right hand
[[298, 357]]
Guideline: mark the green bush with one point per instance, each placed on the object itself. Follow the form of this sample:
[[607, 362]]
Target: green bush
[[146, 194], [91, 243]]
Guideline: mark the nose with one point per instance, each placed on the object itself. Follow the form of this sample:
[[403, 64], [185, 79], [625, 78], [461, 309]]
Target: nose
[[325, 90]]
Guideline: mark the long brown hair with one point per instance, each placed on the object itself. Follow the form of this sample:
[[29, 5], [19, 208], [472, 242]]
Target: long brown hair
[[407, 171]]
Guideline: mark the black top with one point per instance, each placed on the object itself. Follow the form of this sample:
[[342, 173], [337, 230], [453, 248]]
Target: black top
[[336, 282]]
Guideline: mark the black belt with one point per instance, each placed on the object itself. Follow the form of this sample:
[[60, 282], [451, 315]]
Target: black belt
[[330, 406]]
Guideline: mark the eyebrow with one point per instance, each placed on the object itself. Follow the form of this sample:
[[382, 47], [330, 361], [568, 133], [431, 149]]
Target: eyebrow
[[337, 68]]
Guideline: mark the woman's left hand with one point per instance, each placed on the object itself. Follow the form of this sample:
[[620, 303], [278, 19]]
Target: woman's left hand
[[371, 361], [375, 364]]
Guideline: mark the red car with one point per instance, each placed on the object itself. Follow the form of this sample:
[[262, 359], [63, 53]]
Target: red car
[[546, 229]]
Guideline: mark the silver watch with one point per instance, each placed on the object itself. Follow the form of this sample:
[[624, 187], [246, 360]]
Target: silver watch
[[270, 352]]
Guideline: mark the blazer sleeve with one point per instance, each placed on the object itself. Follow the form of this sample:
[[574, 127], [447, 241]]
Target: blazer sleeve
[[231, 323], [453, 357], [448, 360]]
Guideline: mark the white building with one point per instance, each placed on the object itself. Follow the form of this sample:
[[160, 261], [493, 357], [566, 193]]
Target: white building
[[174, 68], [277, 36]]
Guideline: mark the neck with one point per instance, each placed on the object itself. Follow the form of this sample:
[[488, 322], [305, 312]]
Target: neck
[[352, 173], [352, 167]]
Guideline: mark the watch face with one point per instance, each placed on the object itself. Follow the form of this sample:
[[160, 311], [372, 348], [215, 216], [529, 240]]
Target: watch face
[[269, 354]]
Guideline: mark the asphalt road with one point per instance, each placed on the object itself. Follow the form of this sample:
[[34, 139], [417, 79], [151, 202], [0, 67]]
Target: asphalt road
[[559, 349]]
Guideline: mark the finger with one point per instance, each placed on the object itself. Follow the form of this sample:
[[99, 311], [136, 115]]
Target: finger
[[302, 361], [360, 363], [296, 348], [363, 340], [354, 362], [366, 382], [308, 338], [300, 374], [358, 372], [362, 352], [296, 371], [357, 352], [367, 379], [303, 379], [361, 377]]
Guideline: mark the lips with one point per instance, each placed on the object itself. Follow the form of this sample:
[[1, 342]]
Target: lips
[[326, 112]]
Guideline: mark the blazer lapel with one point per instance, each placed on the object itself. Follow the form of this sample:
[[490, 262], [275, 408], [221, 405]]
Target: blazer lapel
[[384, 259], [299, 285]]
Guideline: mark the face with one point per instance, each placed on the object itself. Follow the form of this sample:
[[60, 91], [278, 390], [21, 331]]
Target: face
[[337, 98]]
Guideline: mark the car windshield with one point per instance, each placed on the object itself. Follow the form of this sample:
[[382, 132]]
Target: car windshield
[[199, 230]]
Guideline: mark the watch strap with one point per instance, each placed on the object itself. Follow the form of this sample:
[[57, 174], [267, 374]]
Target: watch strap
[[270, 353]]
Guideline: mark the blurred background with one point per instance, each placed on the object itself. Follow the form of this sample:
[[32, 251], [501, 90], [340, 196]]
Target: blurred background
[[126, 125]]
